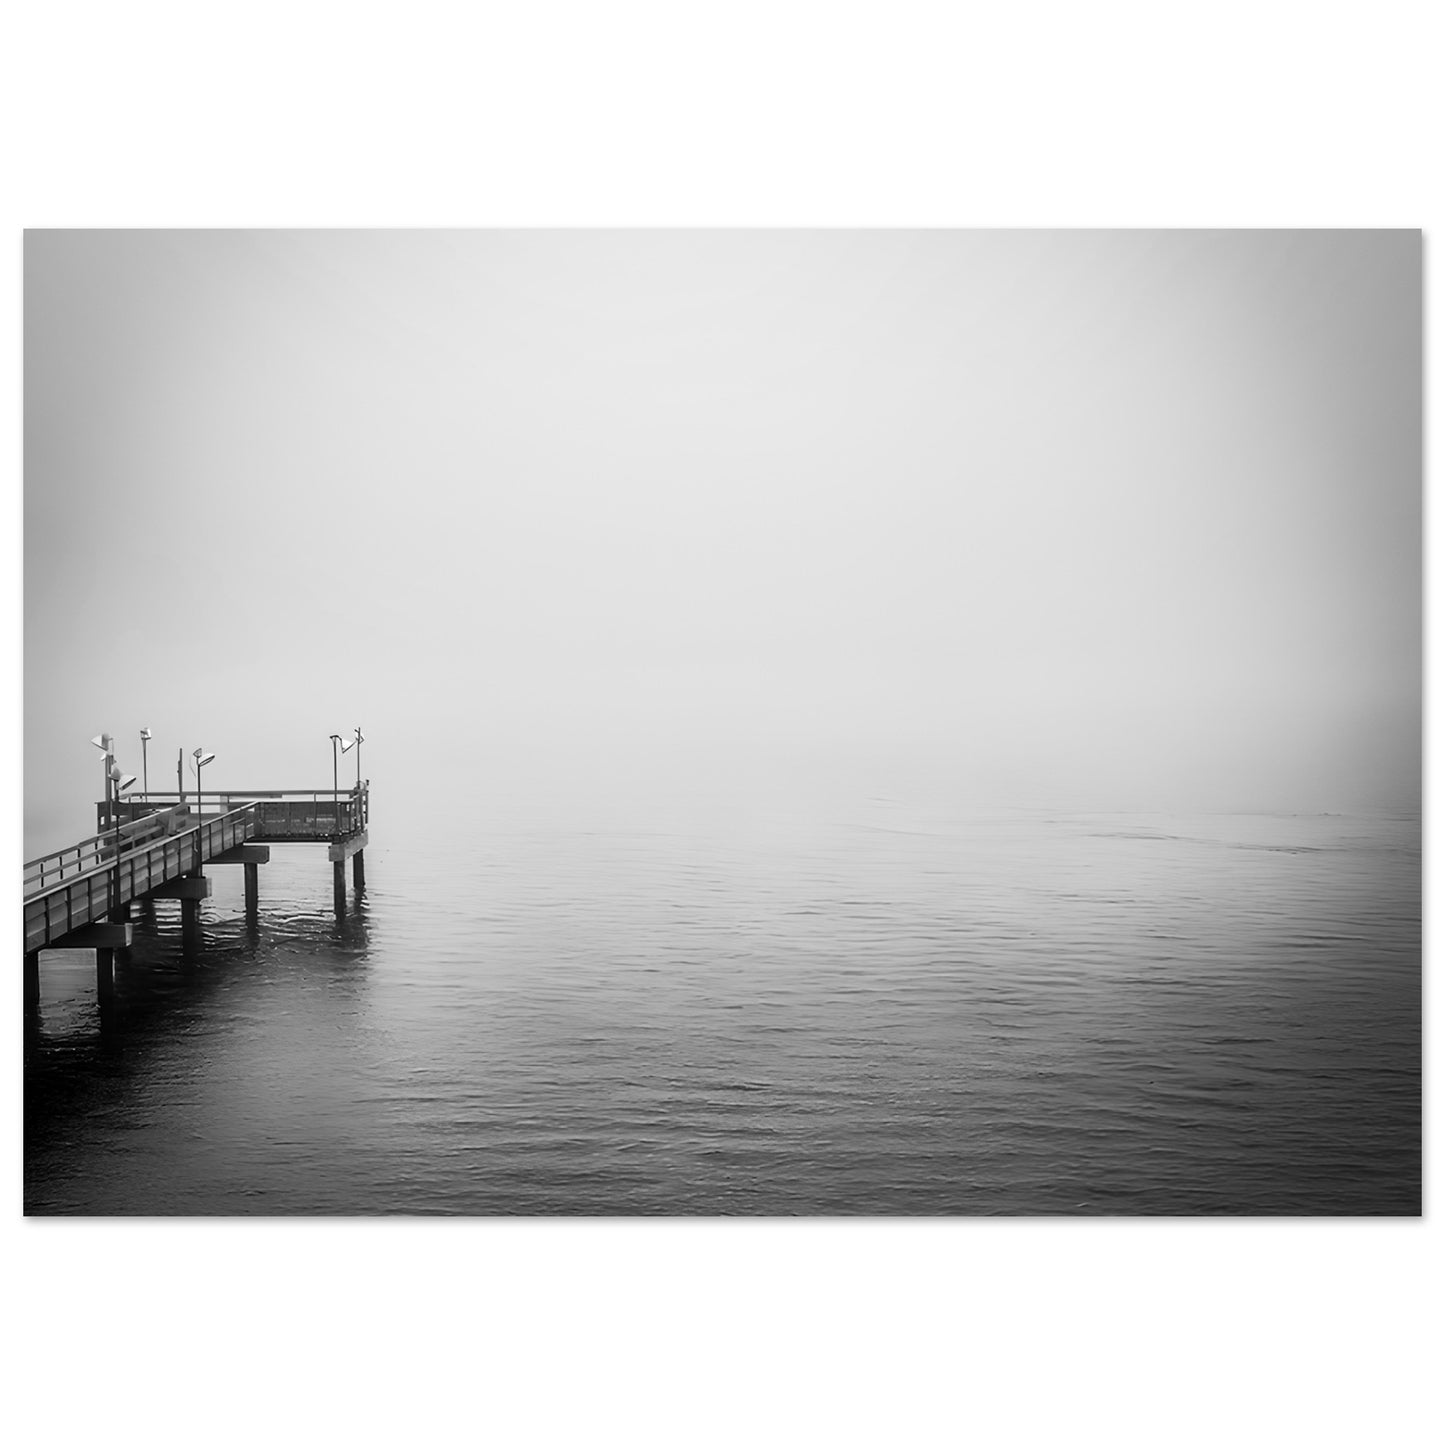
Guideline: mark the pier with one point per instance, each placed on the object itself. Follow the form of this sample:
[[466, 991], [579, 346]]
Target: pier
[[158, 846]]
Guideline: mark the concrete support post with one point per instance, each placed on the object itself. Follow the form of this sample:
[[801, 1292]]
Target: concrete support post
[[358, 869], [253, 887], [32, 978], [190, 925], [338, 886], [105, 976], [121, 915]]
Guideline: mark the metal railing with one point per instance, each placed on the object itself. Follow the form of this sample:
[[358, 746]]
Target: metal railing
[[77, 858], [284, 814], [61, 908]]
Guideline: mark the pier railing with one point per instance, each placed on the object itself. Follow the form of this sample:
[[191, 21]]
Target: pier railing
[[77, 858], [301, 815], [110, 880]]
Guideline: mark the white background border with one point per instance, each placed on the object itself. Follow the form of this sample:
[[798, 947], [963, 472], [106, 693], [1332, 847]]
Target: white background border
[[1042, 114]]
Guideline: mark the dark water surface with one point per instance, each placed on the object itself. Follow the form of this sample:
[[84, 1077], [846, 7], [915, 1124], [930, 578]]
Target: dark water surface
[[871, 1010]]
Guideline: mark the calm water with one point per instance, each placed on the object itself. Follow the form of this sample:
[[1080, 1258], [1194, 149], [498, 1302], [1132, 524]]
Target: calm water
[[868, 1009]]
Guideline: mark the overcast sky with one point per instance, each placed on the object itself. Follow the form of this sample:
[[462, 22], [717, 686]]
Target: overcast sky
[[1100, 518]]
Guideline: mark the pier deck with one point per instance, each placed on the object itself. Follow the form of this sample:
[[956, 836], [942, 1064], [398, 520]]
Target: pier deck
[[147, 847]]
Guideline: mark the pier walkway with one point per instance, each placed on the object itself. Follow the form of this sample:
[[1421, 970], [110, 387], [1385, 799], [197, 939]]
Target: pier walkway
[[157, 847]]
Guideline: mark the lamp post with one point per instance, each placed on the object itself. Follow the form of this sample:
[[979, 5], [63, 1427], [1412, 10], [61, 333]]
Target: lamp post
[[106, 744], [120, 781], [360, 819], [345, 745], [145, 784], [335, 786], [202, 757]]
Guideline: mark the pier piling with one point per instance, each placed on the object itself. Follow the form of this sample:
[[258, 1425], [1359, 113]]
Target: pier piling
[[190, 925], [105, 975], [122, 949]]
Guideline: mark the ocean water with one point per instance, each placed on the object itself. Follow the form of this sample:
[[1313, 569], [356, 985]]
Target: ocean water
[[871, 1008]]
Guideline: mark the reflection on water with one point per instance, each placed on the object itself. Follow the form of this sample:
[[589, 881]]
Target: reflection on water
[[878, 1010], [152, 1056]]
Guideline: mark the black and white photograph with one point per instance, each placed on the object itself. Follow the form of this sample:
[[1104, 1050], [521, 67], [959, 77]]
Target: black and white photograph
[[715, 722], [721, 722]]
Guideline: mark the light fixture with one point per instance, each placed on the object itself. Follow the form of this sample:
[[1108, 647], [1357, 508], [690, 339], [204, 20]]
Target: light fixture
[[106, 744], [200, 758], [145, 737]]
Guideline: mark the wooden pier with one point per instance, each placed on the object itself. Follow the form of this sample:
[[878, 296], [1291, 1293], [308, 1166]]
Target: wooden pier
[[158, 846]]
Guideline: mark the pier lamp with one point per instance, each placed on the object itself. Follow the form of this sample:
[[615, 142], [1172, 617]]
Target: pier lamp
[[120, 782], [106, 744], [202, 757], [344, 743], [359, 741], [335, 785], [145, 786]]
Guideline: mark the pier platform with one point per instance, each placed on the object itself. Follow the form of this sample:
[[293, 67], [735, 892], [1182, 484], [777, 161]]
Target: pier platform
[[158, 846]]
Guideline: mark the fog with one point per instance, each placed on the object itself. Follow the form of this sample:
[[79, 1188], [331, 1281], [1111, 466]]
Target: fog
[[1069, 518]]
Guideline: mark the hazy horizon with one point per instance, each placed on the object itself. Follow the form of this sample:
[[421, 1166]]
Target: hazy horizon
[[1090, 518]]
